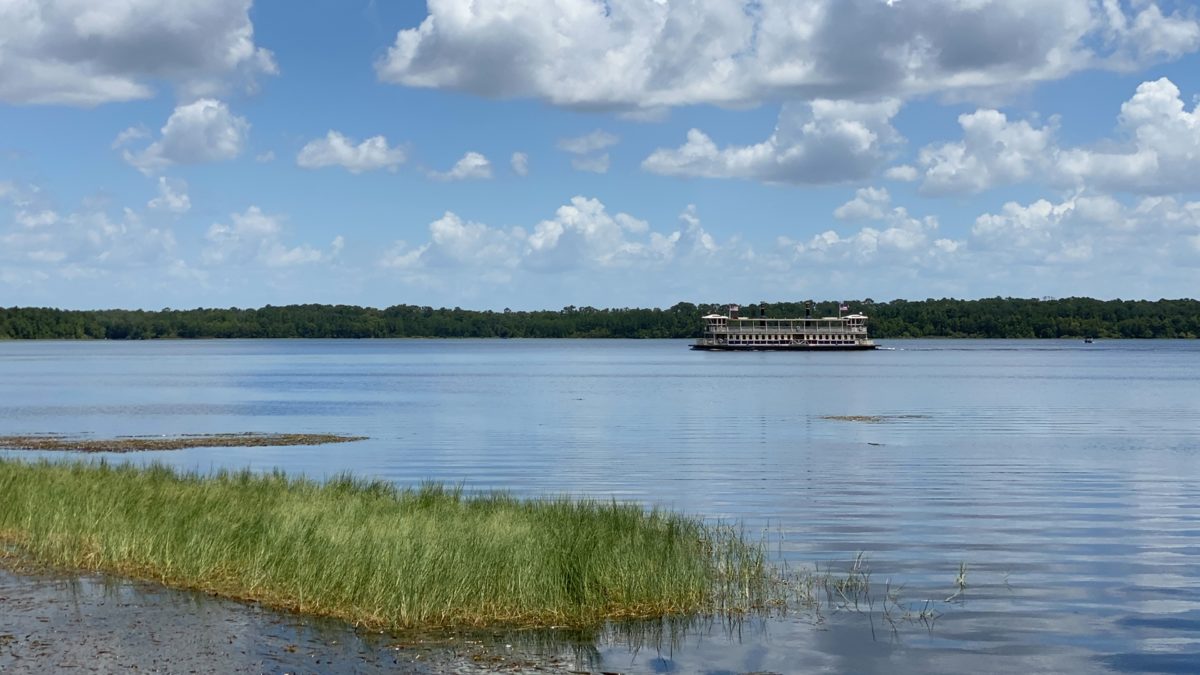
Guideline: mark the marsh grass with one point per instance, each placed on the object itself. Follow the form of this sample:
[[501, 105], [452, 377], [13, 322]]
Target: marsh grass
[[375, 555]]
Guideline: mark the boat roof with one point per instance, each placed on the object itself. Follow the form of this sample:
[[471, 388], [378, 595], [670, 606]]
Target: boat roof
[[775, 318]]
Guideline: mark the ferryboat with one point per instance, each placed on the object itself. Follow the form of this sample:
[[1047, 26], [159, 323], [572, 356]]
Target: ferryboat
[[732, 332]]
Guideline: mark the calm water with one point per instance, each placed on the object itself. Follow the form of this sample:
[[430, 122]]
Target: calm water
[[1064, 475]]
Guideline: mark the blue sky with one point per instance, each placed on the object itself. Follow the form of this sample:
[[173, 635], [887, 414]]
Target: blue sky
[[543, 153]]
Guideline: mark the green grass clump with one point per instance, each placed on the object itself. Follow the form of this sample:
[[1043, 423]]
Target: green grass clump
[[373, 554]]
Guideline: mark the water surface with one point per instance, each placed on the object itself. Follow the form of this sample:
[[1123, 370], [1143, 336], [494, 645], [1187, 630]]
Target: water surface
[[1062, 474]]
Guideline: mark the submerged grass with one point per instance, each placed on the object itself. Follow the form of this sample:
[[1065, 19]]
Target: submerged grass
[[376, 555]]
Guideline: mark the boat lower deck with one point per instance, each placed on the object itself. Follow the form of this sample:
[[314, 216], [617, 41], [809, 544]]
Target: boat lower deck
[[782, 347]]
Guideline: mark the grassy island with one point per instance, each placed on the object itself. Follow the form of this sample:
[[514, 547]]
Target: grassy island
[[372, 554]]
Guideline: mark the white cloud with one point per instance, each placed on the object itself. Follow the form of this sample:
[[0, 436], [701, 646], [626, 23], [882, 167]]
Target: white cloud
[[586, 149], [594, 164], [32, 219], [488, 253], [904, 173], [265, 157], [131, 134], [202, 131], [338, 150], [820, 142], [900, 239], [520, 163], [994, 151], [84, 243], [582, 235], [1023, 228], [88, 52], [472, 166], [172, 197], [868, 203], [1157, 151], [1126, 242], [652, 54], [254, 237], [1149, 36], [1161, 153], [591, 142]]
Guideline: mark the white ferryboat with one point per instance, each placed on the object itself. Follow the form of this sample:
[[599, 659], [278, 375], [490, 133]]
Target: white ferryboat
[[758, 333]]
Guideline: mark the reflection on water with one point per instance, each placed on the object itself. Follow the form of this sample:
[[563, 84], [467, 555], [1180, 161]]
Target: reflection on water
[[1063, 475]]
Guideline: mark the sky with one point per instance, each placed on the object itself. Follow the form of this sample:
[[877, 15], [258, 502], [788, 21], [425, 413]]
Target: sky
[[532, 154]]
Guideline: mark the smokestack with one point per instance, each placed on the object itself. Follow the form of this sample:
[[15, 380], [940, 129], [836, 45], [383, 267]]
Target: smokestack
[[733, 311], [808, 307]]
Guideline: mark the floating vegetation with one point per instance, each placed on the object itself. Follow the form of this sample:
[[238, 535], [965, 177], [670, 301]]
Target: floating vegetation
[[872, 419], [56, 442], [376, 555]]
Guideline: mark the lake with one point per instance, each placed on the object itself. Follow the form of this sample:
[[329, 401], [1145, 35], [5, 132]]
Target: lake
[[1064, 476]]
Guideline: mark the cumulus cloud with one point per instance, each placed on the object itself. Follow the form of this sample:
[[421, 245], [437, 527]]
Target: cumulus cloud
[[83, 243], [898, 238], [1095, 228], [1160, 152], [904, 173], [868, 202], [472, 166], [994, 151], [172, 197], [202, 131], [1157, 151], [585, 233], [454, 242], [520, 163], [581, 235], [338, 150], [652, 54], [254, 237], [86, 53], [819, 142], [1149, 35]]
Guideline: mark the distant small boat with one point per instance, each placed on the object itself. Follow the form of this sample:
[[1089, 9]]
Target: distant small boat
[[1088, 340]]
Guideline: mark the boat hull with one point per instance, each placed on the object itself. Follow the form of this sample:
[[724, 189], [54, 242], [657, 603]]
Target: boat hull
[[782, 348]]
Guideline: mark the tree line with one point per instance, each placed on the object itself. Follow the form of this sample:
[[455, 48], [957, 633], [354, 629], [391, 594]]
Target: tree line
[[950, 318]]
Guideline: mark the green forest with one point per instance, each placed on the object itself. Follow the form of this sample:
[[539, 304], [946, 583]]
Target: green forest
[[948, 318]]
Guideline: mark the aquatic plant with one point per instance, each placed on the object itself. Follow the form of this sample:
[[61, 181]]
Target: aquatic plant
[[377, 555]]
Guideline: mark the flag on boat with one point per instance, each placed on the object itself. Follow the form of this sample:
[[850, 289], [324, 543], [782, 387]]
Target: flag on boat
[[844, 307]]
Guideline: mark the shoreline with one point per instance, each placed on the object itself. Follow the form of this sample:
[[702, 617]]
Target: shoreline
[[93, 623]]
